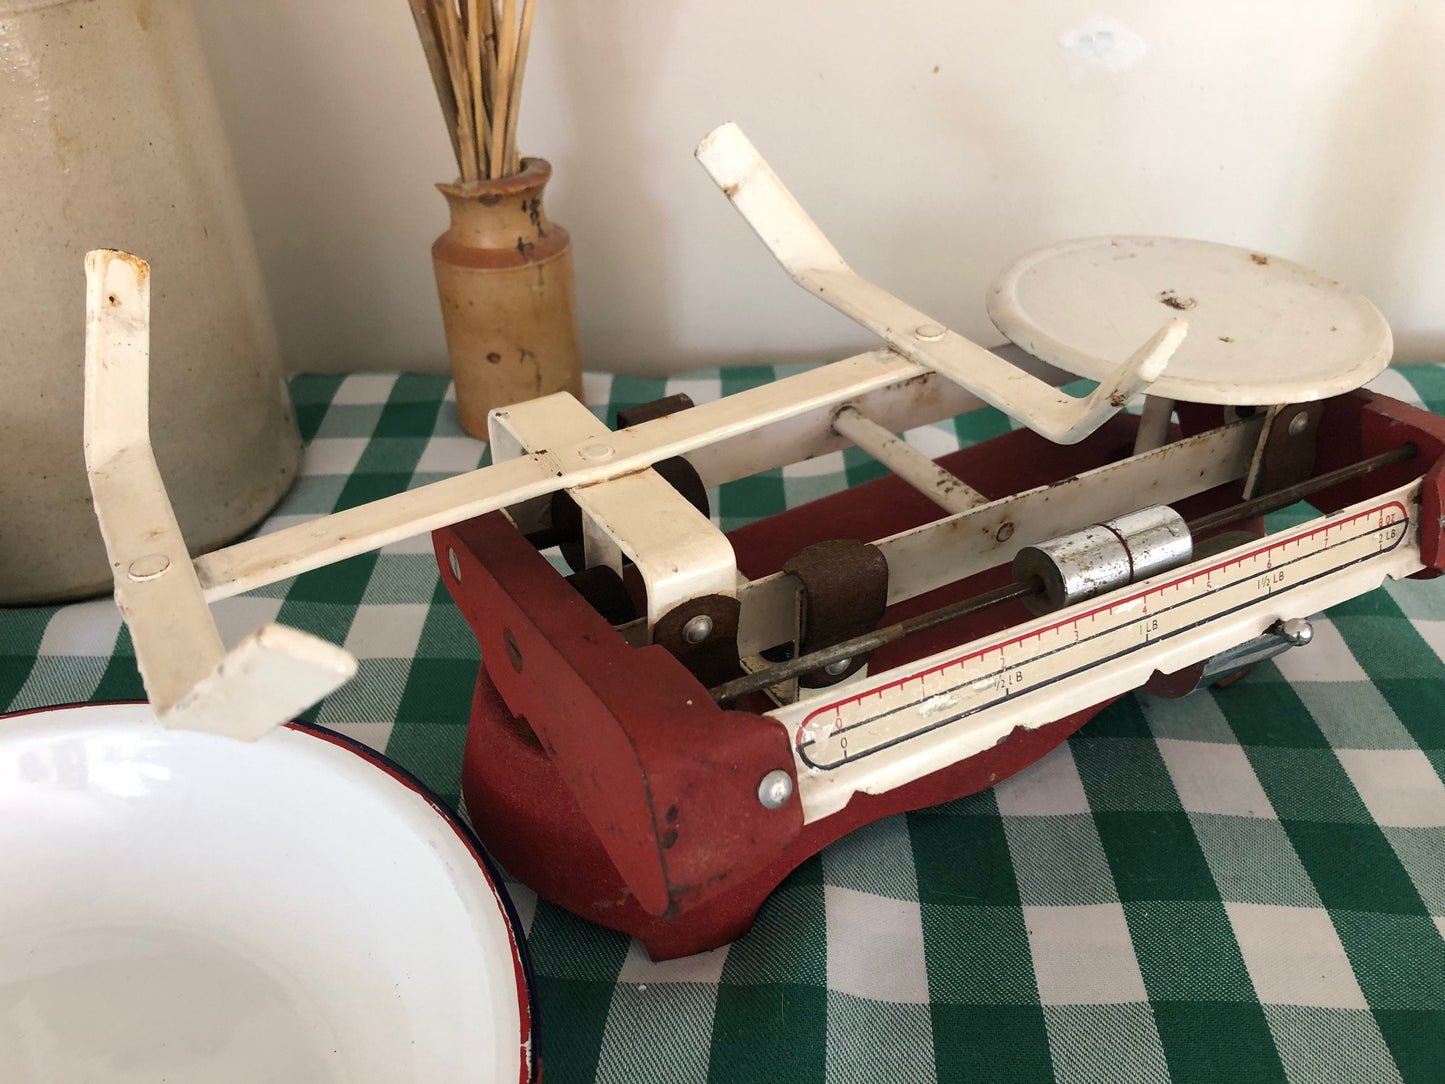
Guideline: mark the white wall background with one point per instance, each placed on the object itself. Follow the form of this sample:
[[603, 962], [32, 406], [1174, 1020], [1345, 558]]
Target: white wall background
[[934, 140]]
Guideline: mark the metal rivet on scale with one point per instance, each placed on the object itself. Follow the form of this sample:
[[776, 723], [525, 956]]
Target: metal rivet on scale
[[597, 451], [1299, 423], [456, 565], [697, 629], [148, 567], [833, 669], [775, 789], [929, 333]]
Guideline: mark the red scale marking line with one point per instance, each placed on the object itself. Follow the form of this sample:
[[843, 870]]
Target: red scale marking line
[[1018, 640]]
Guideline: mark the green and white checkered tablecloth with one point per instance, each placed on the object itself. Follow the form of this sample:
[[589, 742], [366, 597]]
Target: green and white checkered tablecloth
[[1245, 885]]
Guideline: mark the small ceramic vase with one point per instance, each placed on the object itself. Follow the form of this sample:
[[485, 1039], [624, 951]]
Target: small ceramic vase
[[504, 277]]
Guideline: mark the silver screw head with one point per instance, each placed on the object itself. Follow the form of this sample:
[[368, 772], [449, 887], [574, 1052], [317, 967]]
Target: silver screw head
[[833, 669], [1299, 423], [456, 565], [775, 789], [1297, 631], [697, 629]]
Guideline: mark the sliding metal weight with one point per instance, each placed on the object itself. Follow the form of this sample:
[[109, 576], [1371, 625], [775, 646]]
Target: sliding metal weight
[[1082, 564]]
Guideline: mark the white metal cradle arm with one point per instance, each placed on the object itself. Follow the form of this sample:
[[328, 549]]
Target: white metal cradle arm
[[191, 680], [805, 253]]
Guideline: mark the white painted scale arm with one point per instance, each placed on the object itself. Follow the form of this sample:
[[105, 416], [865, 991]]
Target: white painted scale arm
[[192, 682], [805, 253]]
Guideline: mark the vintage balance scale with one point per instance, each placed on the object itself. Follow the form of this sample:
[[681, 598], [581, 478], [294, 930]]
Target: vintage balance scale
[[658, 739]]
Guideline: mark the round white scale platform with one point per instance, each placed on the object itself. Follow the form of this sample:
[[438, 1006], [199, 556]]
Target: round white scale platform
[[1262, 330]]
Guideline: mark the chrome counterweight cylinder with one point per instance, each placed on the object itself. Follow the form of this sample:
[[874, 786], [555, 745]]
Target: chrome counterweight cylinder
[[1082, 564]]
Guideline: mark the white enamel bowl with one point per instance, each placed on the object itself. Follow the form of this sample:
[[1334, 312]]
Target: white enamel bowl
[[186, 908]]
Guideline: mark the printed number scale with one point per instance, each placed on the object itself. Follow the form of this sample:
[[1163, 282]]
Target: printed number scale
[[1090, 652], [659, 737]]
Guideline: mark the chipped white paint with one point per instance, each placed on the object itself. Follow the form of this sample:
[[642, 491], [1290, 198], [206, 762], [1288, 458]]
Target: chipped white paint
[[915, 468], [1262, 329], [191, 681], [1104, 44], [814, 264]]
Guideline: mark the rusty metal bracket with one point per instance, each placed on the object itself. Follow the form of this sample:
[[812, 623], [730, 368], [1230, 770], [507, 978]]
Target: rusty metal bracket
[[702, 633], [845, 591], [1285, 453]]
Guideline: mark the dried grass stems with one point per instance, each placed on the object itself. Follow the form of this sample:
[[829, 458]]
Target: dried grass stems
[[477, 53]]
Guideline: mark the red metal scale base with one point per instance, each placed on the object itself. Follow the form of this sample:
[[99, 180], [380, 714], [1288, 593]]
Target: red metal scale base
[[605, 777]]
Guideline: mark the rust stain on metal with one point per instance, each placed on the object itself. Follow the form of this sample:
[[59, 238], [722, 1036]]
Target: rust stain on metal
[[138, 266], [924, 390], [1174, 301], [845, 588], [514, 652], [714, 659], [1263, 261]]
